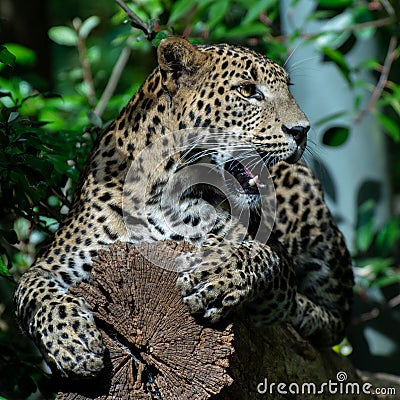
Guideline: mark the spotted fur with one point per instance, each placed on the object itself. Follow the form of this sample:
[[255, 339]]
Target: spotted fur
[[302, 275]]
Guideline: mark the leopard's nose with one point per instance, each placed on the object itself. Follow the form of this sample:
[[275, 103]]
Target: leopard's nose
[[298, 132]]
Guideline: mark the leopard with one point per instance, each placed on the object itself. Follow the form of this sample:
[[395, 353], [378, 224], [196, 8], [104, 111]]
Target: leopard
[[231, 109]]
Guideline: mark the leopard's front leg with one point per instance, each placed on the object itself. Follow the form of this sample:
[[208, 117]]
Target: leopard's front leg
[[222, 276], [61, 325]]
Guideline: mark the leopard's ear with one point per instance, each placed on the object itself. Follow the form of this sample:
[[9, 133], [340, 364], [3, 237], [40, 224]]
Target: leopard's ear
[[177, 54], [176, 58]]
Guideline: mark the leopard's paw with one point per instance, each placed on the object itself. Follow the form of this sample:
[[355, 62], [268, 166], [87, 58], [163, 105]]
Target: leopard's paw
[[69, 339], [213, 291]]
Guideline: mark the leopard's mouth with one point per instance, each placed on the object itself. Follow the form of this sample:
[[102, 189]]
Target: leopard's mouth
[[244, 180]]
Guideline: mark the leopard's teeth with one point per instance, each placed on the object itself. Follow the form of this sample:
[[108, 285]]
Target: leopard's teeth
[[253, 181]]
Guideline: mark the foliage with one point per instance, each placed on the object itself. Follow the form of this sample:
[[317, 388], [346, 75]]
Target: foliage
[[377, 271], [45, 137], [38, 167]]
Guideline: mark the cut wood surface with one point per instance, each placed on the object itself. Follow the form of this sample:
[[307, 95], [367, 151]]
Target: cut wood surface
[[157, 350]]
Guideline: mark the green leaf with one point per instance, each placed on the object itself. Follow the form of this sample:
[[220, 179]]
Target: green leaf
[[6, 57], [365, 225], [370, 63], [362, 14], [36, 165], [387, 280], [63, 35], [217, 12], [13, 116], [376, 265], [337, 57], [335, 3], [254, 12], [160, 36], [321, 15], [23, 55], [388, 235], [390, 126], [365, 33], [4, 271], [88, 25], [335, 136], [180, 8], [334, 32]]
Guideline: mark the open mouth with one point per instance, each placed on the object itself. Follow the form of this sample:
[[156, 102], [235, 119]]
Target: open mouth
[[244, 180]]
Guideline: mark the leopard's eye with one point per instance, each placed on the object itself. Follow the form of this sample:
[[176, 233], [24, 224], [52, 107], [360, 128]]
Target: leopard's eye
[[250, 91]]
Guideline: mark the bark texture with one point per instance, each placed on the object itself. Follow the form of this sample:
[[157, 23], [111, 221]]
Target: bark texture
[[157, 350]]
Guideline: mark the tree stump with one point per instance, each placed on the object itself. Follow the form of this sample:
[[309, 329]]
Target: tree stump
[[157, 350]]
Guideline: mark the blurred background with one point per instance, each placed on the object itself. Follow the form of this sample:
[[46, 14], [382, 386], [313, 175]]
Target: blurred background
[[68, 68]]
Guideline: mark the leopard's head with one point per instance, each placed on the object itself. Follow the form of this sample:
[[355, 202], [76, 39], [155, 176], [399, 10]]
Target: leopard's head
[[234, 90]]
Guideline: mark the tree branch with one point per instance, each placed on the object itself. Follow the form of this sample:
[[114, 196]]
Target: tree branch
[[62, 197], [380, 86], [394, 302], [388, 7], [136, 21], [113, 81], [376, 312], [85, 64]]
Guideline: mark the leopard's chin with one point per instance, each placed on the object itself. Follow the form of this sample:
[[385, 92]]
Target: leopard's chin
[[296, 155]]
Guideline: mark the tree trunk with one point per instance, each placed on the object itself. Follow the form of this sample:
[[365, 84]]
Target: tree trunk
[[157, 350]]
